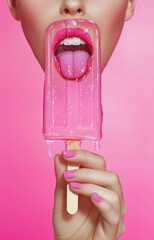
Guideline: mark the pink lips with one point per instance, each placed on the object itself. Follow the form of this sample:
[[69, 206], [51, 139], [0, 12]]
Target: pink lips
[[72, 32], [68, 33]]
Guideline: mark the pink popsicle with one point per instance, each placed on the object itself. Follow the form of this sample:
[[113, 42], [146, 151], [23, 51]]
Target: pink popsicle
[[72, 91]]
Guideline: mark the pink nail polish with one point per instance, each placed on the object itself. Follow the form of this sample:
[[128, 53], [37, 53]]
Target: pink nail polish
[[76, 185], [97, 197], [69, 153], [69, 174]]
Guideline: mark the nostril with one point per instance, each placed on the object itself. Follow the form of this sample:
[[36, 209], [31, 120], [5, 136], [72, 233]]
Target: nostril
[[66, 10]]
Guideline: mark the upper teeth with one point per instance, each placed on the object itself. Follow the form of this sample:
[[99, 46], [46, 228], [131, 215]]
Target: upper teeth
[[72, 41]]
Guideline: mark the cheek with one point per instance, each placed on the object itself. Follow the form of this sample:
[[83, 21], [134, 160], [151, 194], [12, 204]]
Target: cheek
[[111, 24], [115, 19], [33, 23], [30, 17]]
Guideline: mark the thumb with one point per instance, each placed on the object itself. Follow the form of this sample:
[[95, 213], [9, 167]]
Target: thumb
[[60, 189]]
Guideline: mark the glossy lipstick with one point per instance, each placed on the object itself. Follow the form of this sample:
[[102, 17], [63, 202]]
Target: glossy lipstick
[[72, 32], [68, 33]]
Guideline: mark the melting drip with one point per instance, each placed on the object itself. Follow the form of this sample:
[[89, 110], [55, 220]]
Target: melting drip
[[97, 145], [50, 148]]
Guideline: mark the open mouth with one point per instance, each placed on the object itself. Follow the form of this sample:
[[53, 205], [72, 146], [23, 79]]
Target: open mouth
[[73, 50]]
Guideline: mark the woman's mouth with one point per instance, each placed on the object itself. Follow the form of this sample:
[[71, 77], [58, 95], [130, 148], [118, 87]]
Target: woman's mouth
[[72, 51]]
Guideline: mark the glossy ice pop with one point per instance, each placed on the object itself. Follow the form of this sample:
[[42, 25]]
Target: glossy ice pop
[[72, 89], [72, 107]]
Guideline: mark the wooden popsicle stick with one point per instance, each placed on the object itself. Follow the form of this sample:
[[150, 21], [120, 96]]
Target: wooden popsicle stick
[[72, 198]]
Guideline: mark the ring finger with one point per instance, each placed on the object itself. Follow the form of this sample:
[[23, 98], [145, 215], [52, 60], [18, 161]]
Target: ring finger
[[89, 189]]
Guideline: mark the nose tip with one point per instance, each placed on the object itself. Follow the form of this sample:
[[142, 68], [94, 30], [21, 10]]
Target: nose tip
[[72, 7]]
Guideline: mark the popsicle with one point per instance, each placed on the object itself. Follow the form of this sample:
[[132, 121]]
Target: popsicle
[[72, 88]]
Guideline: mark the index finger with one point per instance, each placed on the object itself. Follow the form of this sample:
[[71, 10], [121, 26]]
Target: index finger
[[85, 159]]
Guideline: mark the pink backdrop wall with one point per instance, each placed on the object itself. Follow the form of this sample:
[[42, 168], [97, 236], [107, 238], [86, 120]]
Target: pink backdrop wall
[[26, 173]]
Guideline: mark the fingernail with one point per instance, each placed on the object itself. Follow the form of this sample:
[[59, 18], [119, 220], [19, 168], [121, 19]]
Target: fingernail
[[69, 174], [97, 197], [69, 153], [76, 185]]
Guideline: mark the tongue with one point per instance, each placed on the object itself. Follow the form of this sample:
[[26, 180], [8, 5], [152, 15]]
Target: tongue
[[73, 64]]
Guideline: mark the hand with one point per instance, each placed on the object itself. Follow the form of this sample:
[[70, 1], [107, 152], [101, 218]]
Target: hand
[[101, 202]]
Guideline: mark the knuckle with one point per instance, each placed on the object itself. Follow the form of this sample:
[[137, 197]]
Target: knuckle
[[116, 220], [107, 207], [114, 217], [115, 178], [103, 163], [115, 198], [83, 153]]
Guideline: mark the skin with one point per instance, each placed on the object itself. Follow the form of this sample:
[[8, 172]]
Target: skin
[[36, 15], [94, 220]]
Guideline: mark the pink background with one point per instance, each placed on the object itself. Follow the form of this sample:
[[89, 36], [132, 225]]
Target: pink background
[[26, 172]]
